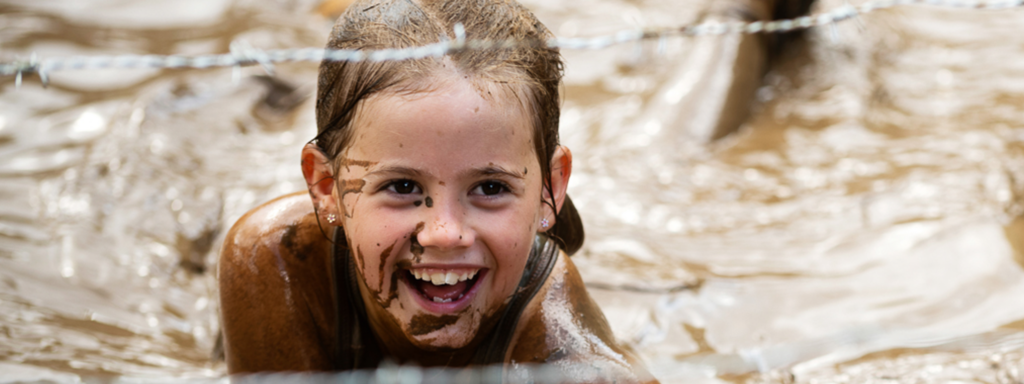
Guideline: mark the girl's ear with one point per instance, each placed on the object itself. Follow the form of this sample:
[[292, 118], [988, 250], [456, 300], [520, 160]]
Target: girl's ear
[[561, 169], [316, 168]]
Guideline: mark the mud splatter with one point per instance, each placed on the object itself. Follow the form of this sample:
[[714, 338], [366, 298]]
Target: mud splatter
[[348, 163], [424, 324], [292, 241], [393, 291], [383, 260], [429, 201], [417, 203], [441, 183], [415, 247], [349, 186], [359, 258]]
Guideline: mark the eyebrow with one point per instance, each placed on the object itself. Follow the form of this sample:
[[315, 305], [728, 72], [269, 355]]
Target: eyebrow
[[485, 171], [496, 170], [396, 169]]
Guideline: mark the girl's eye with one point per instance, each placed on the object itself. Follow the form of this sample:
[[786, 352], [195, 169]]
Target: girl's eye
[[403, 187], [491, 188]]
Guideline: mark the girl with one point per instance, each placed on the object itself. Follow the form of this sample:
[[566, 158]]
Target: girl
[[437, 228]]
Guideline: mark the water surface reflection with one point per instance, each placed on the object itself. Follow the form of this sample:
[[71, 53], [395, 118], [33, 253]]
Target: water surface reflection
[[863, 225]]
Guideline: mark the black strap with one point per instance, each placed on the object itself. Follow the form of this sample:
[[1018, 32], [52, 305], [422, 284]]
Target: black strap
[[353, 345], [332, 270], [538, 267]]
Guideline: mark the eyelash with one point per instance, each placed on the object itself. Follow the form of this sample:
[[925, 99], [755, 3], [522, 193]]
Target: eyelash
[[392, 187], [504, 188]]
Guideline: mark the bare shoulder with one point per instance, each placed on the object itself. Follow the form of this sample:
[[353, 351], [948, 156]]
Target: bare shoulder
[[276, 222], [564, 326], [275, 289]]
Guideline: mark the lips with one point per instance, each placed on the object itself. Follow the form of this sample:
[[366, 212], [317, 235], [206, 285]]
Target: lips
[[444, 289]]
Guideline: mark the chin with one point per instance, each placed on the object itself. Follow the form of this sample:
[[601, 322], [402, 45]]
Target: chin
[[455, 334], [447, 326]]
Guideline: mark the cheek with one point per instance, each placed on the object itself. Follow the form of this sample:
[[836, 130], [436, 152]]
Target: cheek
[[375, 248], [511, 265], [510, 244]]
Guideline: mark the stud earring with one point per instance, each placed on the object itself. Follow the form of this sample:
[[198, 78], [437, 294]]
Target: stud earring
[[543, 223], [331, 218]]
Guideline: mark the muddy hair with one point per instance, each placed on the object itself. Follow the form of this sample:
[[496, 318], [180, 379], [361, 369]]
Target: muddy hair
[[530, 73]]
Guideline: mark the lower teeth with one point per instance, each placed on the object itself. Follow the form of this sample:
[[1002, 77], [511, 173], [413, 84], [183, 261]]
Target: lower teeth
[[440, 300]]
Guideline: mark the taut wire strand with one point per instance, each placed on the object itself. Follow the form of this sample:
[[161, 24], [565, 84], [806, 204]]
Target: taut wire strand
[[243, 54]]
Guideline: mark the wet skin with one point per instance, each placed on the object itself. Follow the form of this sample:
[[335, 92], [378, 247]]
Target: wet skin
[[275, 290], [458, 151], [430, 182], [276, 304], [276, 300]]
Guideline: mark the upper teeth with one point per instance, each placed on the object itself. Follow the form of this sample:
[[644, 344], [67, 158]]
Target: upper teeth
[[443, 278]]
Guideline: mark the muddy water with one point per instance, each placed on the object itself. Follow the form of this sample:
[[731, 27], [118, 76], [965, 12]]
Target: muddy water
[[862, 226]]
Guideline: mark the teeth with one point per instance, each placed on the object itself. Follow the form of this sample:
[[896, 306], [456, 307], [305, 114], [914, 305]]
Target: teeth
[[437, 278], [443, 278], [440, 300]]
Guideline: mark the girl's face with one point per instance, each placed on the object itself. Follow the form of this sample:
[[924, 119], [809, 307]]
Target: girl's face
[[440, 196]]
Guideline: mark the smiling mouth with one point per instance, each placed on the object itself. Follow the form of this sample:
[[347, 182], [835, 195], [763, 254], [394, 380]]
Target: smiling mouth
[[441, 285]]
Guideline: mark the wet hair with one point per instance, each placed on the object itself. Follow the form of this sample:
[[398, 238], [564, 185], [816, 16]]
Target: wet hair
[[530, 73]]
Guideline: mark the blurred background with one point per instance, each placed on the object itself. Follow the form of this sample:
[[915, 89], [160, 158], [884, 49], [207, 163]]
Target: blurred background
[[862, 224]]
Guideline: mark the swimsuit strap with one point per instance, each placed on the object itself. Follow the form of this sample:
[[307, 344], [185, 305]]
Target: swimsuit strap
[[354, 346], [542, 260], [354, 340]]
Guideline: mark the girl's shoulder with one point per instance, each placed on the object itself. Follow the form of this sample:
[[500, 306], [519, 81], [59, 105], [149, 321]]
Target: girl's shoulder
[[563, 325], [287, 223], [275, 289]]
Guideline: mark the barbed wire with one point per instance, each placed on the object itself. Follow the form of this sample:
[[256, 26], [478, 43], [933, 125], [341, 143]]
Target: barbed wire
[[1007, 369], [388, 373], [242, 54]]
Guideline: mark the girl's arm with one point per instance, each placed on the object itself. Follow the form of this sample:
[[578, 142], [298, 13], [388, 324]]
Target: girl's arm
[[562, 325], [275, 290]]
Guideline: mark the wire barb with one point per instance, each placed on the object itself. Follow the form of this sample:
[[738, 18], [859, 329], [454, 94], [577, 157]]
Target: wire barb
[[460, 37], [245, 54], [242, 54]]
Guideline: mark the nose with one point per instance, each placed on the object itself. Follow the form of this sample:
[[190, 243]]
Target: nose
[[445, 225]]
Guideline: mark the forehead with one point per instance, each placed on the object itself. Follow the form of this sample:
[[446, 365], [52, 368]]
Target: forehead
[[456, 124]]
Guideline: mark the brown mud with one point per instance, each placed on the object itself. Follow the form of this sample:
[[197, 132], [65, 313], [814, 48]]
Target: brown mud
[[868, 206], [393, 290], [297, 241], [348, 163], [349, 186], [424, 324], [383, 261], [414, 245]]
